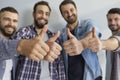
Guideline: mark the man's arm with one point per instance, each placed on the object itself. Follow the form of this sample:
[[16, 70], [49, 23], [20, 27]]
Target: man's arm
[[34, 48], [109, 44]]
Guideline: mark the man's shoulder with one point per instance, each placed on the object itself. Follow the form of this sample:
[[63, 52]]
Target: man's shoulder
[[25, 27], [86, 21]]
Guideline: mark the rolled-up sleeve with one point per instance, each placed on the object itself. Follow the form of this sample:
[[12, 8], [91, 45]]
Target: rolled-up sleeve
[[8, 48], [118, 38]]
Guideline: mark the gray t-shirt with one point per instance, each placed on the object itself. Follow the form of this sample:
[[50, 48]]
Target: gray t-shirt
[[113, 62]]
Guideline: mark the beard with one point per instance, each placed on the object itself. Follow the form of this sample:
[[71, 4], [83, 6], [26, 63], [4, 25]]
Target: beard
[[114, 28], [7, 34], [40, 25], [71, 20]]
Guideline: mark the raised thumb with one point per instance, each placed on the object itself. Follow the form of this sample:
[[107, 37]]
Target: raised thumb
[[42, 33], [93, 32], [52, 39], [70, 35]]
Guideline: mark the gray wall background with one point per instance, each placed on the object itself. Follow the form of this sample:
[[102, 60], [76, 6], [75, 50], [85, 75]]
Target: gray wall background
[[94, 9]]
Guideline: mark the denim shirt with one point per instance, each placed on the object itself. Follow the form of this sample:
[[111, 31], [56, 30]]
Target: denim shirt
[[7, 51], [92, 66]]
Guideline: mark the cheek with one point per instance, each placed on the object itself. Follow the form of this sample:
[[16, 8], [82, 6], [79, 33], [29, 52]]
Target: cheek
[[119, 23], [16, 25], [3, 24]]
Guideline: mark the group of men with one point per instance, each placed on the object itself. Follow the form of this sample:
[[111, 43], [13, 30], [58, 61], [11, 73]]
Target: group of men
[[36, 53]]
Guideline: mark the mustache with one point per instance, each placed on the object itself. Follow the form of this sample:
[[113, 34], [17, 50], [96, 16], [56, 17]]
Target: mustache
[[70, 16], [9, 26], [112, 25], [42, 18]]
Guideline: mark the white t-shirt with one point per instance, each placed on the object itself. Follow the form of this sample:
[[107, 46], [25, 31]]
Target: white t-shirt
[[45, 74], [8, 68]]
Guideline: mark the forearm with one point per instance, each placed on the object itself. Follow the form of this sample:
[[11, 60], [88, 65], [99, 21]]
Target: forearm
[[110, 44]]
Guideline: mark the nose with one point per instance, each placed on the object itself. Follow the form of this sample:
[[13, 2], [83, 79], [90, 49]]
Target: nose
[[112, 21], [11, 23], [69, 13], [44, 15]]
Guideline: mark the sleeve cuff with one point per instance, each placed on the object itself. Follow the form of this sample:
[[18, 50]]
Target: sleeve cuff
[[118, 38]]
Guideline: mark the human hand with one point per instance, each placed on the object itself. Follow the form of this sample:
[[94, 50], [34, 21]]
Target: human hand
[[55, 48], [72, 46], [35, 48], [94, 43]]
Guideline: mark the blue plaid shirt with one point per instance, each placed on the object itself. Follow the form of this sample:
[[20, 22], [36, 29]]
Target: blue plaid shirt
[[28, 69]]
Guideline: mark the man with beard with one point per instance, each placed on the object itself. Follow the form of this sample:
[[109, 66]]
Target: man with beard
[[10, 48], [51, 66], [112, 45], [8, 25], [81, 62]]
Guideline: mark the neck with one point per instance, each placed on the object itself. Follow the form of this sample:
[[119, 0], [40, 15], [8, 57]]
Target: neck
[[38, 29], [73, 26]]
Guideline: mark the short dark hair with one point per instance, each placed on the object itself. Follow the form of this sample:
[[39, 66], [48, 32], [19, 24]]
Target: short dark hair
[[114, 11], [41, 3], [67, 2], [10, 9]]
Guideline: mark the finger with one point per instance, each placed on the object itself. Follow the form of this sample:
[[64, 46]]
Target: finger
[[38, 54], [33, 57], [66, 43], [56, 51], [42, 33], [44, 46], [49, 58], [70, 35], [52, 39], [94, 32], [53, 55], [69, 49], [41, 51], [57, 46]]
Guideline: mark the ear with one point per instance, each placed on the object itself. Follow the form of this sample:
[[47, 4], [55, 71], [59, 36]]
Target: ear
[[33, 14]]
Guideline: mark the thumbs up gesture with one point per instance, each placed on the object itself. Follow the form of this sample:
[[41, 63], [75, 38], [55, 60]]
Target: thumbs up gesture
[[55, 48], [34, 48], [94, 42], [72, 46]]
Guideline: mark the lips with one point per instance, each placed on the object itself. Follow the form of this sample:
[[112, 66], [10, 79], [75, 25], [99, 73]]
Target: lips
[[9, 30]]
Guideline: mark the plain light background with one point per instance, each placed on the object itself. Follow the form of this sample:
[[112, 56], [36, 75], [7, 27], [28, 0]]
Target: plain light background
[[94, 9]]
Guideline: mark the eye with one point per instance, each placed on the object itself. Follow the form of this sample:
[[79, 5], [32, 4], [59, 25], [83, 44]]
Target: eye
[[65, 12], [117, 19], [40, 12], [47, 14], [15, 21], [6, 19], [72, 10]]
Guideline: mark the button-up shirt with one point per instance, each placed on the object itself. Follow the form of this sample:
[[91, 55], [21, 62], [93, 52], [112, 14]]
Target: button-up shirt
[[92, 68], [28, 69], [7, 51]]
